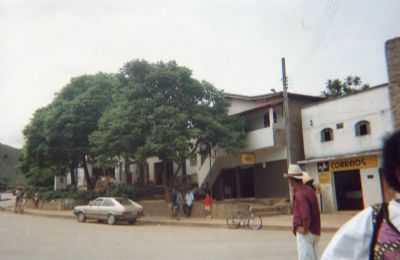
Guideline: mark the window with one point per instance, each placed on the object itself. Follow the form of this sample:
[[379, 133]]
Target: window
[[275, 115], [124, 201], [108, 203], [267, 122], [98, 202], [362, 128], [339, 125], [326, 135]]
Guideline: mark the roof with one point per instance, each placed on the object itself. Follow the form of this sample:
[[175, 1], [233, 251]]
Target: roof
[[270, 95], [270, 100], [340, 156], [330, 99]]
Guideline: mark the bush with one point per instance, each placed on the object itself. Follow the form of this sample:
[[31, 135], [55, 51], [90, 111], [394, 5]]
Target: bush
[[128, 191]]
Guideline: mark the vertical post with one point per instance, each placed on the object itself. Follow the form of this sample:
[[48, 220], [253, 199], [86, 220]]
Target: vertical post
[[286, 112]]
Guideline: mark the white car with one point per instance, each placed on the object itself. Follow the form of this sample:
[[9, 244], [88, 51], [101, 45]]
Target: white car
[[109, 209]]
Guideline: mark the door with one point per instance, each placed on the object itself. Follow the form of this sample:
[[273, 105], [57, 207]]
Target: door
[[348, 190], [247, 182], [371, 184], [105, 208], [93, 208]]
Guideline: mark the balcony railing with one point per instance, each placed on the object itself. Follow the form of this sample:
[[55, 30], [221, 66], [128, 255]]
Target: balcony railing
[[265, 138]]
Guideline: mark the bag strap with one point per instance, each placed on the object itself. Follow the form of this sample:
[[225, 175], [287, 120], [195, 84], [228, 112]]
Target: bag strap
[[378, 214]]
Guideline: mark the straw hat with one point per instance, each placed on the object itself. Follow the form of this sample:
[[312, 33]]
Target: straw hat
[[294, 171], [306, 177]]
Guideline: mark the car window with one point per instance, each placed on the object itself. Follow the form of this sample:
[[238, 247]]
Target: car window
[[124, 201], [98, 202], [108, 203]]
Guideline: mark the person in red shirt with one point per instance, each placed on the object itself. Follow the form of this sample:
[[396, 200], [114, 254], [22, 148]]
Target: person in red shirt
[[208, 201], [306, 215]]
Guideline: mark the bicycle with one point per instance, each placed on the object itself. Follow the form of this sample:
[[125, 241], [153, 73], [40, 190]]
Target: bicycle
[[245, 219]]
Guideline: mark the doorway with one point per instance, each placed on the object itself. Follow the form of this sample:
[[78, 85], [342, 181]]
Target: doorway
[[348, 190], [247, 182]]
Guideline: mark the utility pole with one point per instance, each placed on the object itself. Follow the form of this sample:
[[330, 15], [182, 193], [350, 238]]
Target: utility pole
[[286, 112]]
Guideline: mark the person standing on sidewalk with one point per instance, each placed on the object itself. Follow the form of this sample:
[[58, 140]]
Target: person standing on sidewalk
[[306, 215], [181, 203], [189, 198], [374, 232], [208, 201]]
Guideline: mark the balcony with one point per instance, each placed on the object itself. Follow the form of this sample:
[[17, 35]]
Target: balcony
[[265, 138]]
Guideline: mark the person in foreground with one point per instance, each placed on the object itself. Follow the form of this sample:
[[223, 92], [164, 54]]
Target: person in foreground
[[374, 232], [306, 215]]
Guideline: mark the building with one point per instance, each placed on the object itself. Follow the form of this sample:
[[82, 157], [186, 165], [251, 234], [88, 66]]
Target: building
[[257, 171], [343, 138]]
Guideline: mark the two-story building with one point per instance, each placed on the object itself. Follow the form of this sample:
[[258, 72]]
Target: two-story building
[[343, 138], [257, 171]]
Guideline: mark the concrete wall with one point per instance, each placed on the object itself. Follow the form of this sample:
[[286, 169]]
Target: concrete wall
[[239, 105], [393, 68], [372, 105]]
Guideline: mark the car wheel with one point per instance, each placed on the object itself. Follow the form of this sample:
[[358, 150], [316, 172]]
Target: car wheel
[[81, 217], [111, 219], [132, 221]]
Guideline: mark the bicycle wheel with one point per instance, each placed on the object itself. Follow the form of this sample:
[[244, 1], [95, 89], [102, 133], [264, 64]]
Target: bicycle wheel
[[255, 222], [233, 222]]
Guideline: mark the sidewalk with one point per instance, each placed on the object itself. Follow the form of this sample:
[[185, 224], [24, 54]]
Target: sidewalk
[[330, 222]]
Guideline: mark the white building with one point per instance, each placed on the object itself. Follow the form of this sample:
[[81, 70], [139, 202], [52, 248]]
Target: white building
[[343, 138], [257, 171]]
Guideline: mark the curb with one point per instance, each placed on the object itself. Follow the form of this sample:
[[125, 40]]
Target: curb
[[174, 222]]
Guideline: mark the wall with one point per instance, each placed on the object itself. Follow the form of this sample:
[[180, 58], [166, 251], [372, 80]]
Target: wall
[[393, 68], [371, 105], [296, 129], [239, 105]]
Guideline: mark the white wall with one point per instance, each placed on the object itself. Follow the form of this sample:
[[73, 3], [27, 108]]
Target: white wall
[[372, 105], [239, 105]]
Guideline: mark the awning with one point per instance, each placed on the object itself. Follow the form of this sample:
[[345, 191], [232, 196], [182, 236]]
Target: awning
[[341, 156]]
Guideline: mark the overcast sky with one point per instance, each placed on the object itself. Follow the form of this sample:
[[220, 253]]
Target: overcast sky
[[234, 44]]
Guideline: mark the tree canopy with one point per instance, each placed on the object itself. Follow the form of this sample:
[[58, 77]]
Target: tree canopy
[[147, 109], [339, 88]]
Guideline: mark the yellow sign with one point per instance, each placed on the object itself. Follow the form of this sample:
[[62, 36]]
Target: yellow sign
[[248, 158], [362, 162], [324, 178]]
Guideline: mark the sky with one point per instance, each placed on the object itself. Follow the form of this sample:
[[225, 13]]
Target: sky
[[236, 45]]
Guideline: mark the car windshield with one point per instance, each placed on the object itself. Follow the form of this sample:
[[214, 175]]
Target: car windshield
[[124, 201]]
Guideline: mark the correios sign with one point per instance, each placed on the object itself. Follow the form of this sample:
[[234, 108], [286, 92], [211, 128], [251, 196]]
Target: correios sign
[[362, 162]]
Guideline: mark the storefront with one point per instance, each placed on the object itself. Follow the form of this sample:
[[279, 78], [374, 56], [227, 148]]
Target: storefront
[[347, 183], [252, 179]]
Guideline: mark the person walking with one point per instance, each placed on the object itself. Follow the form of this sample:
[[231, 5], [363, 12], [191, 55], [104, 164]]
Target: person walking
[[189, 198], [306, 215], [174, 203], [374, 233]]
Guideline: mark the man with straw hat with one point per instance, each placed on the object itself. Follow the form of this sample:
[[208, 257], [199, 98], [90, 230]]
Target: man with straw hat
[[306, 215]]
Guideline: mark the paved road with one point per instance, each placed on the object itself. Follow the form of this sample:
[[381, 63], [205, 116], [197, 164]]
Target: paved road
[[39, 238]]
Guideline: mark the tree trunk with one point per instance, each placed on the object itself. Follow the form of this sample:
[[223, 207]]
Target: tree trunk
[[126, 169], [72, 174], [86, 171], [184, 171]]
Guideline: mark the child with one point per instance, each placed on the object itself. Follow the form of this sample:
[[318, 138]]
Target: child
[[208, 201]]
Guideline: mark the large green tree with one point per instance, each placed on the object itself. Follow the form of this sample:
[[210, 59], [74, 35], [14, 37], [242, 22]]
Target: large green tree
[[163, 111], [58, 135], [339, 88]]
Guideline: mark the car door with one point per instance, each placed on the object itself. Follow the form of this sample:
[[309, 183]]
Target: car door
[[106, 208], [93, 209]]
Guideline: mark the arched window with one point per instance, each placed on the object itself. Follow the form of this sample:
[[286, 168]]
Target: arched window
[[362, 128], [326, 135]]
